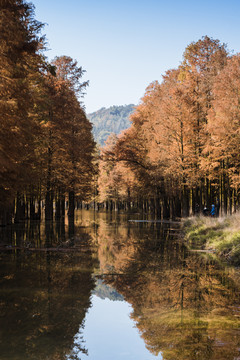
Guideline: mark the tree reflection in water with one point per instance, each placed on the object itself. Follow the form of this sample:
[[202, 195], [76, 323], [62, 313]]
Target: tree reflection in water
[[186, 306], [44, 295]]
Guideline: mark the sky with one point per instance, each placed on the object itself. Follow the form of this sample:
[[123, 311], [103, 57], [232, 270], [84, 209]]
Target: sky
[[106, 320], [127, 44]]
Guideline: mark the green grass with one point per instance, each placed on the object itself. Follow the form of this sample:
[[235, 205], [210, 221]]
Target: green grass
[[221, 235]]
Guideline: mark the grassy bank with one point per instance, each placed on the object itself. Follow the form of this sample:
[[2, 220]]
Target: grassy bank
[[219, 235]]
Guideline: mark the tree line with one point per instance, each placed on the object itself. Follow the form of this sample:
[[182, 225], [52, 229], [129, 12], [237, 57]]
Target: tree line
[[46, 147], [181, 152]]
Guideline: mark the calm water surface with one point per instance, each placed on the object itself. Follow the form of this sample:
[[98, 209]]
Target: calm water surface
[[112, 289]]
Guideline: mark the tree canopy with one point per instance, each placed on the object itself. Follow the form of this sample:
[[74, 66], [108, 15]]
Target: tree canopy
[[183, 144], [46, 139]]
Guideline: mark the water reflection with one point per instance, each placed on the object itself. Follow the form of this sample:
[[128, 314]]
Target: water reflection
[[184, 305], [44, 296], [110, 333]]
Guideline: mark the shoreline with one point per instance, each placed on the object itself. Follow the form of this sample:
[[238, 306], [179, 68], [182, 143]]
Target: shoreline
[[219, 236]]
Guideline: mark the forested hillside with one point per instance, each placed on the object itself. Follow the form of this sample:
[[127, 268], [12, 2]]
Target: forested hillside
[[111, 120]]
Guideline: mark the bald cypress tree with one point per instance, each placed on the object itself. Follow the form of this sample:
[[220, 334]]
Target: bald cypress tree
[[20, 62]]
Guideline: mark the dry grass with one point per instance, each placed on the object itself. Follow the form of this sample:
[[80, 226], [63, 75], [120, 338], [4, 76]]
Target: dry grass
[[221, 235]]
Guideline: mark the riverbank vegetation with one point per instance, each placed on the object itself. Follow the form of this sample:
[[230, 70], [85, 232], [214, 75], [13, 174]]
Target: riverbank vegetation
[[218, 235], [182, 149], [47, 146]]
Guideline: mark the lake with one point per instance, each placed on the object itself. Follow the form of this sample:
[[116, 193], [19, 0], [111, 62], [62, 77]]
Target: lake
[[115, 288]]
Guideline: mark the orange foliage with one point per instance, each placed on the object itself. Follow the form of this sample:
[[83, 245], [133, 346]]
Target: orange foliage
[[177, 143]]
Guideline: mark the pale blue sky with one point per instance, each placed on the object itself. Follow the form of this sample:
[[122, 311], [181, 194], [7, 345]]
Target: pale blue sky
[[125, 45], [110, 334]]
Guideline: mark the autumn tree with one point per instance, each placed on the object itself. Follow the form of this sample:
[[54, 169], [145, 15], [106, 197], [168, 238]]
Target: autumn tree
[[46, 139], [20, 61], [68, 138], [202, 62], [223, 127], [167, 145], [117, 183]]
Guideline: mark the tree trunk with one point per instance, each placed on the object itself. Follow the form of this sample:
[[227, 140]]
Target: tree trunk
[[58, 206], [71, 207], [20, 209], [185, 202], [49, 204], [166, 208], [62, 205], [32, 208]]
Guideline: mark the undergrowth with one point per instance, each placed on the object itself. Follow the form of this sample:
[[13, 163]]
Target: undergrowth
[[220, 235]]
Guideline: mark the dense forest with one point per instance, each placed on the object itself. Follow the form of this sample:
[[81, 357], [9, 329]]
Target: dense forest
[[47, 145], [178, 152], [171, 156], [181, 152], [111, 120]]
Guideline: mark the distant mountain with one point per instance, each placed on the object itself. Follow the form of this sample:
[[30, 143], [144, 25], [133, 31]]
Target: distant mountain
[[110, 120], [104, 291]]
